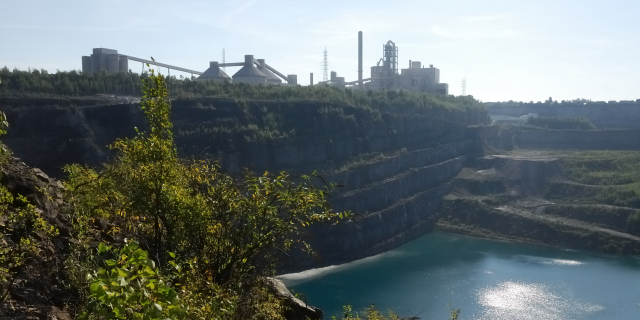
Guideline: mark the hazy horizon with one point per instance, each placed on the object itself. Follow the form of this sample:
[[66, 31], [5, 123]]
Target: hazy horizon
[[507, 50]]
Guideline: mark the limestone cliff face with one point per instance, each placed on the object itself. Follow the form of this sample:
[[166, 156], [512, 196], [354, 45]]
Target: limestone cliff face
[[396, 164]]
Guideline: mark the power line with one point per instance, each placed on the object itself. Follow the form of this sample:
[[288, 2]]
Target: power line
[[464, 87], [325, 67]]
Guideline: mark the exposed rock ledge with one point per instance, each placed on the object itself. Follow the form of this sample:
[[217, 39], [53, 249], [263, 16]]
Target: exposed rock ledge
[[296, 309]]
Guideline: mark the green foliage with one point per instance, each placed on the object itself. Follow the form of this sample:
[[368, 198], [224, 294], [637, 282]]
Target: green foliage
[[4, 124], [555, 123], [603, 167], [75, 83], [633, 223], [546, 103], [371, 313], [129, 286], [228, 231], [616, 171], [20, 226]]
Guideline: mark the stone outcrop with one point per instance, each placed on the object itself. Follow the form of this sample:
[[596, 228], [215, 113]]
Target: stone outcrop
[[295, 309]]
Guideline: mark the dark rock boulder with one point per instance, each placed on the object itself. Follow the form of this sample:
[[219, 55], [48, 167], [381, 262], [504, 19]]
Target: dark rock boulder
[[296, 309]]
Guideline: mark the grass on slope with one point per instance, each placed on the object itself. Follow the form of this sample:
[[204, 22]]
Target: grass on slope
[[616, 172]]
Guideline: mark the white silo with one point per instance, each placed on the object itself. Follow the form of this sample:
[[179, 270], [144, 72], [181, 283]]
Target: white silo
[[249, 73]]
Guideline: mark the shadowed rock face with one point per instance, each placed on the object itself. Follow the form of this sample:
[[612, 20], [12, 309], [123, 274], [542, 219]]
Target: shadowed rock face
[[396, 164]]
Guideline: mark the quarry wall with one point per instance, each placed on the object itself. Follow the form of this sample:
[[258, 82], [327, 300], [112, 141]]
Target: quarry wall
[[395, 165]]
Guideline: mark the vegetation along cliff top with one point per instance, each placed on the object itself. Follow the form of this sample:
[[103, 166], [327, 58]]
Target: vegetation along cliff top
[[41, 84]]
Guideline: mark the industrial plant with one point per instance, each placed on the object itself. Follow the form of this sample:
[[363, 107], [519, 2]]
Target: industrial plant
[[253, 71], [384, 75]]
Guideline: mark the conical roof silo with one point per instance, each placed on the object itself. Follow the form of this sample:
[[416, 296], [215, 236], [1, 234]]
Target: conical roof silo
[[214, 73], [249, 73]]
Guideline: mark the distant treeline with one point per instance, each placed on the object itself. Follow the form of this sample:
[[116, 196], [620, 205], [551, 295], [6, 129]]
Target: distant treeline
[[555, 123], [74, 83], [551, 102]]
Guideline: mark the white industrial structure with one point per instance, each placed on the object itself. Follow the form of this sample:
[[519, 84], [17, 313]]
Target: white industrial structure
[[384, 75], [252, 71]]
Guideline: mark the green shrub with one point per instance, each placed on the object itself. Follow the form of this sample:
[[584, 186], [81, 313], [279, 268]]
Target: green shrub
[[20, 227], [229, 231], [555, 123], [633, 223], [371, 313], [129, 286]]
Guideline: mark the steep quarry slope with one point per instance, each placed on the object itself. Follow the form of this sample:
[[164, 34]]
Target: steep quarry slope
[[395, 163], [526, 196]]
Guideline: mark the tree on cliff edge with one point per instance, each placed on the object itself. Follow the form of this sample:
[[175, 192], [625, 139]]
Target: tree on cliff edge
[[225, 234]]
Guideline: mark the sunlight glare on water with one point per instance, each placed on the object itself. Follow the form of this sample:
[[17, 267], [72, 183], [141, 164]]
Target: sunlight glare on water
[[521, 301], [562, 262], [487, 280]]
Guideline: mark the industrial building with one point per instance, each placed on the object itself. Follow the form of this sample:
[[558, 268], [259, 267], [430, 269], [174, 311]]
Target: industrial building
[[214, 73], [104, 59], [110, 61], [385, 75], [252, 71]]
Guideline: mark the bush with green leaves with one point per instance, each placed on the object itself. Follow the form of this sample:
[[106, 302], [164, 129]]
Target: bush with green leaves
[[230, 230], [20, 226], [371, 313], [129, 286]]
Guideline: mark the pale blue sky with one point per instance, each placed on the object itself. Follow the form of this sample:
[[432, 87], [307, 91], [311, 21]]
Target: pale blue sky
[[507, 50]]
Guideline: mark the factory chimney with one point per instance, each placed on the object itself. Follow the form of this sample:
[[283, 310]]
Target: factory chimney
[[360, 59]]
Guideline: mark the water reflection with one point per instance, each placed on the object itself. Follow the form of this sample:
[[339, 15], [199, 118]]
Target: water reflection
[[486, 279], [521, 301]]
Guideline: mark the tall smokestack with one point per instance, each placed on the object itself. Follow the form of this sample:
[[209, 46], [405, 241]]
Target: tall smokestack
[[360, 59], [311, 79]]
